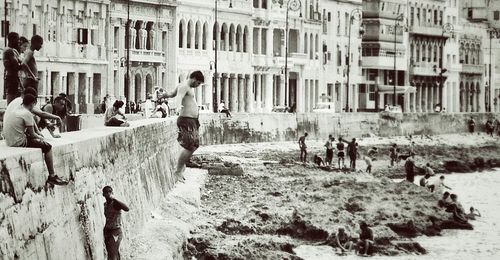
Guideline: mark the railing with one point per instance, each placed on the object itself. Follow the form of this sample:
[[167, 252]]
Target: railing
[[147, 55], [472, 69]]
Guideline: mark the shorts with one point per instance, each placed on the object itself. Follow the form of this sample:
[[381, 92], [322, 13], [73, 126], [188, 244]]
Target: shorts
[[30, 83], [368, 161], [341, 154], [37, 143], [188, 133]]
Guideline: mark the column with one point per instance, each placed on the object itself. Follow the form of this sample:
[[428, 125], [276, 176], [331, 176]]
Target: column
[[209, 90], [226, 90], [233, 85], [407, 101], [414, 102], [132, 34], [306, 96], [249, 94], [430, 106], [241, 94], [226, 40], [481, 106], [250, 42], [355, 97], [268, 93], [258, 92], [192, 34], [281, 95], [300, 95], [444, 95], [426, 100], [269, 43], [259, 40], [218, 88]]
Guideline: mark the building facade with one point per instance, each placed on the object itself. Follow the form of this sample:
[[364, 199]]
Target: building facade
[[84, 47], [270, 53]]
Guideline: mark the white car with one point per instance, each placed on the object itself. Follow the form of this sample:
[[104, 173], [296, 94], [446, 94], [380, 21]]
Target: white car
[[393, 109], [204, 109], [324, 107]]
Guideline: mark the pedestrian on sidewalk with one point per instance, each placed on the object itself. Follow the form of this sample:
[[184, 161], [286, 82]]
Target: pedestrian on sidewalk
[[329, 150], [303, 148], [112, 229]]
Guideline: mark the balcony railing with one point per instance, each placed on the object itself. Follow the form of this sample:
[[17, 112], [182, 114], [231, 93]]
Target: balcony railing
[[472, 69], [147, 56], [428, 29], [383, 37]]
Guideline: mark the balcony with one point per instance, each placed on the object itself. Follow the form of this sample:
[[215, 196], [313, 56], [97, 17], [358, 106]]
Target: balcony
[[147, 56], [299, 58], [429, 29], [383, 38], [423, 69], [384, 62], [472, 69]]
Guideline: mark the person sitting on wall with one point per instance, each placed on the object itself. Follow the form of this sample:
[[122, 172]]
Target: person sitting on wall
[[114, 117], [223, 109], [56, 108], [18, 130]]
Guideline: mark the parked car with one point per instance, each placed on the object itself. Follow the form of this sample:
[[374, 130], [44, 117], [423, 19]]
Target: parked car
[[280, 109], [204, 109], [393, 109], [324, 107]]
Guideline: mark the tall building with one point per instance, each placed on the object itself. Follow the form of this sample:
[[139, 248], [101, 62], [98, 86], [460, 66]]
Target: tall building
[[83, 54]]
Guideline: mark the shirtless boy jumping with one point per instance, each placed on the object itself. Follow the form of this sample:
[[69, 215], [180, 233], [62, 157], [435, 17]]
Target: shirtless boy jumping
[[187, 122]]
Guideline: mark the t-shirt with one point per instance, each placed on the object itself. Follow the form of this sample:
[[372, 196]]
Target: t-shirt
[[14, 127], [13, 105]]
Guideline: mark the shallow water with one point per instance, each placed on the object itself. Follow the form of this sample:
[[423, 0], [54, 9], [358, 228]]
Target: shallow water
[[480, 190]]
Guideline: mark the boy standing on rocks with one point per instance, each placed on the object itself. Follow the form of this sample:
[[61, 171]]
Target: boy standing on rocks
[[472, 125], [340, 152], [112, 229], [329, 150], [366, 240], [303, 148]]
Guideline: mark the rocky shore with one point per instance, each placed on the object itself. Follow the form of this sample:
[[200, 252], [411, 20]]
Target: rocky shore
[[263, 204]]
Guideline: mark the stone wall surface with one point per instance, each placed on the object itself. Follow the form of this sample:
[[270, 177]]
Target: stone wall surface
[[66, 222], [217, 129]]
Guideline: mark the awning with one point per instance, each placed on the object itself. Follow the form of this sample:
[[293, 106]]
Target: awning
[[388, 89]]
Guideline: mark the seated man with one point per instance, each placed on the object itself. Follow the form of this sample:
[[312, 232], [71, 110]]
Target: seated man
[[19, 132], [366, 239], [57, 108], [424, 181], [343, 240], [114, 117], [456, 208], [318, 160]]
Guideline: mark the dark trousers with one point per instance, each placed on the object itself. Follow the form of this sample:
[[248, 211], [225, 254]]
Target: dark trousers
[[303, 155], [12, 87], [112, 240], [329, 156], [352, 161], [226, 111]]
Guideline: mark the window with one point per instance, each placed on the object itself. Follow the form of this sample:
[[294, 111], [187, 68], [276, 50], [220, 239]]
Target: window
[[339, 57], [371, 91], [329, 16], [82, 36], [469, 13], [496, 15]]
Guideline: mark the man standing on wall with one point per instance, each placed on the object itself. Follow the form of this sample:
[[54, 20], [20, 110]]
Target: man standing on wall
[[187, 122], [12, 65], [303, 148], [112, 229], [29, 63]]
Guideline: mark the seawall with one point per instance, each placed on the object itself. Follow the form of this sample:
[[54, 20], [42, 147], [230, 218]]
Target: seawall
[[66, 222], [273, 127]]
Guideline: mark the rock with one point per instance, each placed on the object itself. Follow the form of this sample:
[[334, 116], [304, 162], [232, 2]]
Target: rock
[[404, 229], [410, 247], [233, 227], [457, 166], [233, 170]]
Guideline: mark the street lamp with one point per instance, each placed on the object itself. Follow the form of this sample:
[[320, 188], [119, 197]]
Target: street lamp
[[292, 5], [447, 28], [216, 76], [494, 33], [356, 14], [395, 78], [127, 36]]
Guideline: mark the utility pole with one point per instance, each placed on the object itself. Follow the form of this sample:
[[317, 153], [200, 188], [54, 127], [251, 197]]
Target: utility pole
[[216, 75], [127, 33]]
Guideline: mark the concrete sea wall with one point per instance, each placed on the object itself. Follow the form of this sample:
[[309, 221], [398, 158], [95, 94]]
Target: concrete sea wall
[[66, 222], [247, 128]]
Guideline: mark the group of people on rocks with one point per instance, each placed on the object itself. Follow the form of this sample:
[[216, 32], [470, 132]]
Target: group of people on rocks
[[340, 147], [362, 245]]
